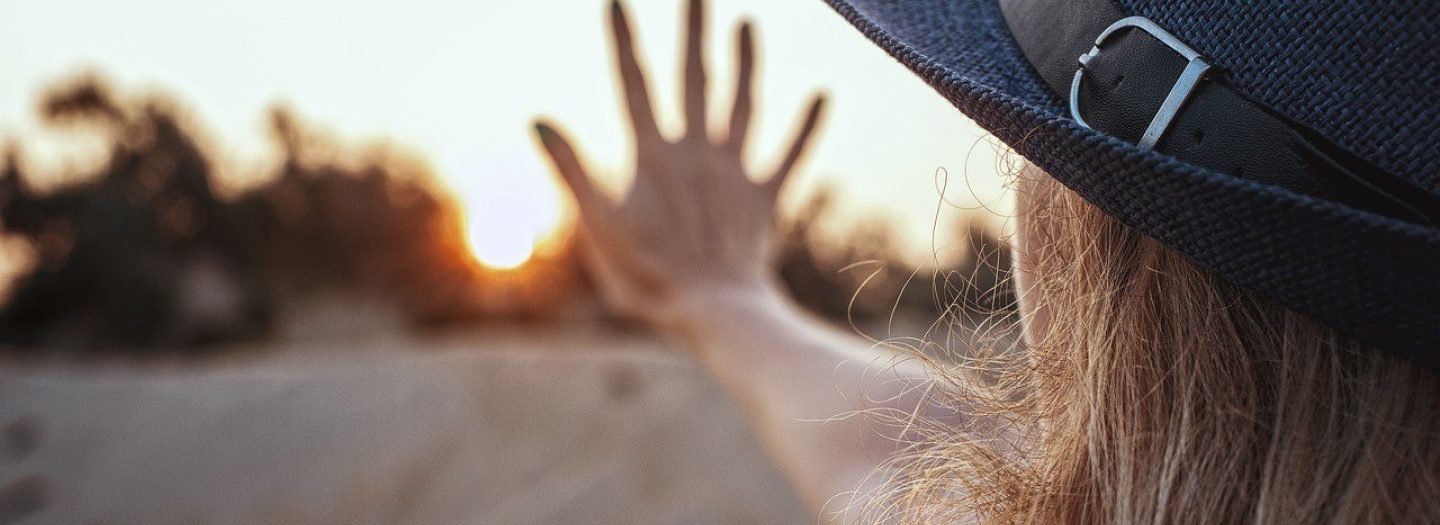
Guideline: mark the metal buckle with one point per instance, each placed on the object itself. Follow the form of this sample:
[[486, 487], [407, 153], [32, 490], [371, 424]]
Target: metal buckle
[[1179, 93]]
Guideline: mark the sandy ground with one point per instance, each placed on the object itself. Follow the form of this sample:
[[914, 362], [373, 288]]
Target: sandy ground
[[490, 427]]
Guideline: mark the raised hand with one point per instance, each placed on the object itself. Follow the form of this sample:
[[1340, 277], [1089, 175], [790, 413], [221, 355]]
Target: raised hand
[[696, 223]]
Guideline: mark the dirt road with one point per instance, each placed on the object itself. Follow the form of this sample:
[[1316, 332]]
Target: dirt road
[[488, 427]]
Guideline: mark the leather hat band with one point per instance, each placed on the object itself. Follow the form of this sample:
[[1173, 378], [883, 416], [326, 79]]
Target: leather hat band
[[1130, 78]]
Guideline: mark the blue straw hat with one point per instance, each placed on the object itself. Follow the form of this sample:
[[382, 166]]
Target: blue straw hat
[[1292, 148]]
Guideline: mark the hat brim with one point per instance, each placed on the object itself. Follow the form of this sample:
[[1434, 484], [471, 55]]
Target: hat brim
[[1369, 276]]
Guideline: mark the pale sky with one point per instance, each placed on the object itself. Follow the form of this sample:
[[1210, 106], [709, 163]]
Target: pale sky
[[460, 81]]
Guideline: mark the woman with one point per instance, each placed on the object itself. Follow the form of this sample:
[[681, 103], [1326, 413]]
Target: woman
[[1227, 259]]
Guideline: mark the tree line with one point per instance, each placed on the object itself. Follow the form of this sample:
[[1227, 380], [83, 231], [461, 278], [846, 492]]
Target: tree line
[[150, 254]]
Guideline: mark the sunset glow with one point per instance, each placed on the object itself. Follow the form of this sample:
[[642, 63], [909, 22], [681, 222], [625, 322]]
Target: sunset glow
[[507, 218], [456, 87]]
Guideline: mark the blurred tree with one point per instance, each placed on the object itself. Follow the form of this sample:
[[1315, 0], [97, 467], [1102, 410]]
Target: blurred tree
[[861, 280], [114, 251], [146, 255]]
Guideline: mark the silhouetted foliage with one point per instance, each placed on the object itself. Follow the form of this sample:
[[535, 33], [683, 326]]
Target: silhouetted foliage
[[112, 254], [860, 280], [146, 253]]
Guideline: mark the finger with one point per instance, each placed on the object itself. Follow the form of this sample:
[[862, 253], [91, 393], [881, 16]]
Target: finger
[[744, 88], [799, 146], [695, 126], [632, 77], [572, 171]]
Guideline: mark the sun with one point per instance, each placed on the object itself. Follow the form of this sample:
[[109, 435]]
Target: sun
[[500, 249], [506, 218]]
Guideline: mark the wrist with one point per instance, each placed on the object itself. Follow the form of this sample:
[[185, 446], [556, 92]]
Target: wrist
[[714, 310]]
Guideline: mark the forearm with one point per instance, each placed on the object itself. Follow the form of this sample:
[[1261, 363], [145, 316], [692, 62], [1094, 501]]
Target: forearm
[[827, 405]]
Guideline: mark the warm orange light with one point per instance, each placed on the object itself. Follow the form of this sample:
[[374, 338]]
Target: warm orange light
[[500, 249], [508, 217]]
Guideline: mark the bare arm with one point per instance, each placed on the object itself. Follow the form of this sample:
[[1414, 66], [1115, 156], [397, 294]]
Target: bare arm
[[829, 407], [687, 250]]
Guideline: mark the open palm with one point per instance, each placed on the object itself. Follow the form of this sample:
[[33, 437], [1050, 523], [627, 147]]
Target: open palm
[[695, 222]]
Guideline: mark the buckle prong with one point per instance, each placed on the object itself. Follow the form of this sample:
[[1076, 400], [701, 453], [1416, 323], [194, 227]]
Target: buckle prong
[[1180, 92]]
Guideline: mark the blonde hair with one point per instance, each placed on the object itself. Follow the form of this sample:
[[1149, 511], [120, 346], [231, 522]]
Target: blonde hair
[[1161, 394]]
